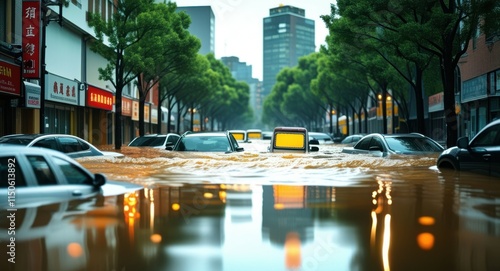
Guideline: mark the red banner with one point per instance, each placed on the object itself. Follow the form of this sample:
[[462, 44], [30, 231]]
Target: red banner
[[99, 98], [31, 39], [10, 78]]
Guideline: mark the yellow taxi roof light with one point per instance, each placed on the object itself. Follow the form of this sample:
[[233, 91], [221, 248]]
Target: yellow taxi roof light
[[289, 140]]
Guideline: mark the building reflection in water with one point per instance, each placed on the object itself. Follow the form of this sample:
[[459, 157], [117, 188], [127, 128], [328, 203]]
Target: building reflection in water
[[382, 202], [383, 224]]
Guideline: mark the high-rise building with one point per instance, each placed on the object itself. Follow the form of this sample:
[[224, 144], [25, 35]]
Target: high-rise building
[[202, 26], [241, 71], [288, 35]]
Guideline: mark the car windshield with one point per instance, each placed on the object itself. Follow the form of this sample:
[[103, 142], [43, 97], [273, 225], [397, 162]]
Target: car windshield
[[148, 141], [321, 136], [204, 144], [412, 144], [16, 140]]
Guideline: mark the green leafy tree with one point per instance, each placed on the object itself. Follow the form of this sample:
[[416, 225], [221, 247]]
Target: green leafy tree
[[168, 49], [291, 101], [416, 29], [178, 86], [115, 41]]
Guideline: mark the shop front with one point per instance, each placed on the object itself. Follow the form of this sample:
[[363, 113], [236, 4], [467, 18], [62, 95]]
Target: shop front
[[10, 92], [99, 116], [61, 101], [28, 109], [127, 123]]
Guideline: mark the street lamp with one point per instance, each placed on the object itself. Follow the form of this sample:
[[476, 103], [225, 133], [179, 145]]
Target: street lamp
[[47, 16]]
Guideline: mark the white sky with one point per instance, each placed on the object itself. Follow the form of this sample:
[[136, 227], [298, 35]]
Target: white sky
[[238, 25]]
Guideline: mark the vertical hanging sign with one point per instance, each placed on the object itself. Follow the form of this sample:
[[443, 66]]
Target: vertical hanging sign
[[31, 39]]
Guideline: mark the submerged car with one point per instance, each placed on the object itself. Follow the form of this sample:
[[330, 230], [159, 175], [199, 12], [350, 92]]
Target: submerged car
[[155, 140], [36, 176], [207, 142], [352, 139], [322, 138], [73, 146], [387, 144], [292, 139], [480, 155]]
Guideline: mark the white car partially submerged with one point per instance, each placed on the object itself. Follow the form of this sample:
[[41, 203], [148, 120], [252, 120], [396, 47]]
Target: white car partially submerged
[[71, 145], [36, 176]]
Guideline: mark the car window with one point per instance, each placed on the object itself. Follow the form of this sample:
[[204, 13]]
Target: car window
[[16, 141], [73, 174], [364, 144], [49, 143], [172, 139], [42, 170], [188, 144], [489, 137], [377, 142], [157, 141], [69, 144], [411, 144], [141, 141], [11, 173]]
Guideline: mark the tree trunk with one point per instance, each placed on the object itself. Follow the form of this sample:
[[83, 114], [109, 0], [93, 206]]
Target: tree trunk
[[449, 102], [419, 101]]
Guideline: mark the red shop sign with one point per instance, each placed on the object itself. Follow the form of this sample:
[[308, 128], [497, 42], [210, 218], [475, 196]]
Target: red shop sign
[[31, 39], [10, 78], [99, 98]]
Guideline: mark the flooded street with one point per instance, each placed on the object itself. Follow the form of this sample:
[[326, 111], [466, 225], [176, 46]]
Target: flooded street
[[267, 211]]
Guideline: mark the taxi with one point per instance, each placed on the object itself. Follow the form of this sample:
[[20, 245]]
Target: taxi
[[292, 139]]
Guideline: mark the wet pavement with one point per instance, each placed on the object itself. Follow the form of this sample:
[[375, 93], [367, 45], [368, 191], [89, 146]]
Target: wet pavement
[[265, 211]]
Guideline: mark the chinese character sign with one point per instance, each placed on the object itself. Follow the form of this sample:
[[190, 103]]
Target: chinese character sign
[[31, 39], [99, 98]]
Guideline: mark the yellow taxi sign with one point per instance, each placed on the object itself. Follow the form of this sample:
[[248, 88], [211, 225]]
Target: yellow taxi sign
[[239, 136], [289, 140], [254, 134]]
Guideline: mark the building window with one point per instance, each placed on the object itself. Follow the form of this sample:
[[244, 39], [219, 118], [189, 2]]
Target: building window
[[498, 81]]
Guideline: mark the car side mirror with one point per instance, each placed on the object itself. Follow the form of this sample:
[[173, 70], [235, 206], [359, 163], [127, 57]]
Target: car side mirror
[[99, 180], [169, 148], [240, 149], [314, 149], [463, 142]]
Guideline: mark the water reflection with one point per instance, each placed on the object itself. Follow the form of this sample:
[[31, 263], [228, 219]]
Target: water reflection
[[254, 212]]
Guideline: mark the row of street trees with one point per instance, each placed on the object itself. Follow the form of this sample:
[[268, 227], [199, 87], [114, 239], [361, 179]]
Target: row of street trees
[[147, 44], [377, 47]]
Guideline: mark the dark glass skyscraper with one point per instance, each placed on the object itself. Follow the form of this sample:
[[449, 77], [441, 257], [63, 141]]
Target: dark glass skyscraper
[[202, 26], [288, 35]]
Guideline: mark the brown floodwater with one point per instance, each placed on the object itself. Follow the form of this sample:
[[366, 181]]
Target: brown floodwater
[[265, 211]]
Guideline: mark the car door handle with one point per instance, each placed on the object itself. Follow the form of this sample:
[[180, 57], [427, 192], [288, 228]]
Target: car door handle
[[77, 193], [487, 156]]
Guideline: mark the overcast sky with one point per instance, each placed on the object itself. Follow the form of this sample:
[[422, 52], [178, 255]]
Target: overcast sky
[[238, 25]]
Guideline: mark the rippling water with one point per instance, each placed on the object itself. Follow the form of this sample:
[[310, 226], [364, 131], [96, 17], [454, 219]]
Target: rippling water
[[255, 163]]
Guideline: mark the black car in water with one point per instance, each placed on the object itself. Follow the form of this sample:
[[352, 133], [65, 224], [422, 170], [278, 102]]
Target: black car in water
[[480, 155], [207, 142]]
